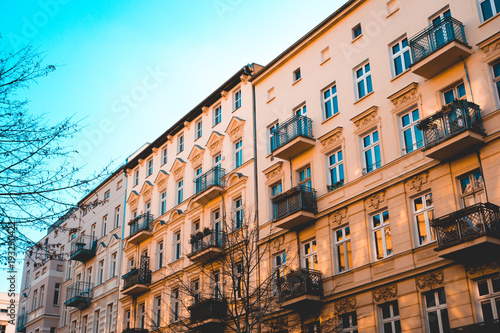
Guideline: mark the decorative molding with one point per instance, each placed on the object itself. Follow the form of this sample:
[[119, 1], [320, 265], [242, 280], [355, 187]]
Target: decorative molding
[[205, 110], [404, 97], [224, 94], [425, 254], [331, 140], [178, 169], [415, 183], [162, 180], [146, 191], [187, 124], [214, 143], [278, 242], [338, 216], [384, 267], [244, 78], [141, 162], [430, 281], [490, 47], [366, 119], [170, 138], [133, 200], [479, 270], [196, 156], [385, 294], [155, 150], [235, 128], [274, 173], [374, 201], [345, 305]]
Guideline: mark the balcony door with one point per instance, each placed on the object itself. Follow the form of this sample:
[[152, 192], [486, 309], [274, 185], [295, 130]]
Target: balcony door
[[442, 30], [217, 226]]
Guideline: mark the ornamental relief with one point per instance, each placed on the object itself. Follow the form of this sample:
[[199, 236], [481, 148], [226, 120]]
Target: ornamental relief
[[147, 195], [345, 305], [416, 183], [366, 119], [331, 140], [179, 172], [491, 51], [339, 216], [162, 185], [385, 294], [236, 133], [133, 204], [277, 243], [215, 147], [275, 174], [375, 200], [430, 281], [478, 270]]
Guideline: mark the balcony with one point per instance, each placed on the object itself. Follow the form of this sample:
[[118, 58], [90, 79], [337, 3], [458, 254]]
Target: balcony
[[83, 248], [141, 228], [135, 330], [456, 129], [469, 234], [293, 137], [438, 47], [301, 290], [79, 295], [137, 281], [208, 315], [209, 185], [207, 245], [294, 208], [22, 319], [484, 327]]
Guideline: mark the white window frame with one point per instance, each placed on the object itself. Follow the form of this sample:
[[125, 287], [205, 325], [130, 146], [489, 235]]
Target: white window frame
[[393, 319], [238, 153], [297, 75], [352, 319], [104, 226], [175, 305], [177, 252], [474, 190], [157, 311], [57, 294], [179, 191], [217, 160], [180, 143], [300, 110], [403, 50], [331, 101], [238, 213], [163, 202], [237, 99], [270, 130], [491, 297], [198, 129], [496, 79], [150, 167], [494, 10], [437, 308], [336, 168], [217, 114], [425, 211], [363, 80], [312, 256], [159, 254], [412, 127], [100, 273], [454, 89], [354, 33], [112, 269], [96, 321], [370, 149], [343, 243], [164, 156], [117, 217], [136, 177], [385, 230], [109, 320], [238, 279]]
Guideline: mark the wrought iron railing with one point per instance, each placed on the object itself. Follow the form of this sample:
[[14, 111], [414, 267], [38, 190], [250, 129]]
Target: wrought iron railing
[[294, 200], [210, 308], [204, 240], [213, 177], [302, 282], [83, 291], [138, 276], [485, 327], [291, 129], [22, 319], [335, 186], [81, 244], [452, 120], [140, 223], [135, 330], [467, 224], [435, 36]]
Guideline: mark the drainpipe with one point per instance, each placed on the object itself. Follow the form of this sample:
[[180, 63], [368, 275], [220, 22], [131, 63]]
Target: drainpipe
[[482, 173], [123, 237], [468, 81]]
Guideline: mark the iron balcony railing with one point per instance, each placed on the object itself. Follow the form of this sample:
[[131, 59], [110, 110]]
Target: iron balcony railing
[[435, 36], [135, 330], [294, 200], [467, 224], [136, 276], [488, 326], [204, 240], [213, 177], [302, 282], [83, 245], [79, 292], [22, 319], [211, 308], [291, 129], [140, 223], [453, 119]]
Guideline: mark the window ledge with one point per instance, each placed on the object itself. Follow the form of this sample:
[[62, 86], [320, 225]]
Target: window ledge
[[392, 13], [239, 107], [355, 39], [270, 100], [364, 97], [400, 74], [325, 61], [489, 20], [328, 119], [296, 81]]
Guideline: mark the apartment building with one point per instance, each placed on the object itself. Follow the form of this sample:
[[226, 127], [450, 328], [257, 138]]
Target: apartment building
[[380, 167], [6, 310], [186, 191]]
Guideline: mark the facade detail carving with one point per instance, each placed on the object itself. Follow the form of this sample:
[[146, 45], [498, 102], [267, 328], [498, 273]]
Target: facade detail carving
[[490, 48], [133, 200], [277, 243], [405, 97], [146, 191], [244, 78], [375, 200], [331, 140], [178, 169], [214, 143], [274, 173], [205, 110], [366, 119], [162, 180], [235, 128], [416, 183], [339, 216], [196, 156], [430, 281], [224, 94], [385, 294], [474, 271], [345, 305]]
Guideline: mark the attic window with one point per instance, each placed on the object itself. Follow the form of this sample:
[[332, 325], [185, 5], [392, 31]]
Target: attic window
[[356, 31]]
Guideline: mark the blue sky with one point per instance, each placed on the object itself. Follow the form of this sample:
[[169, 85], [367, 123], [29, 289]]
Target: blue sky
[[131, 69]]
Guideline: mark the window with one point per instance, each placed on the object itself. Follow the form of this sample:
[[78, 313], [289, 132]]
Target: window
[[147, 208], [104, 225], [273, 143], [335, 170], [57, 289], [238, 213], [119, 184], [159, 254], [96, 321], [400, 57], [175, 305], [163, 202], [100, 273], [296, 75], [488, 296], [238, 153], [349, 322], [313, 327], [198, 184], [92, 231], [136, 177], [412, 136], [423, 212], [117, 216], [157, 311], [330, 102], [89, 275], [325, 54], [389, 317], [310, 255], [237, 99], [343, 252], [238, 279], [488, 8], [270, 94], [42, 295], [217, 160], [195, 289], [363, 81], [198, 129], [455, 92], [356, 31], [112, 269], [180, 191], [381, 235], [73, 326], [279, 267], [27, 280], [496, 77], [371, 152], [150, 167], [217, 286], [106, 194], [177, 246], [84, 324], [109, 320], [217, 114], [472, 188], [180, 143], [305, 178], [164, 156], [141, 315], [300, 111], [126, 319], [276, 189], [436, 313]]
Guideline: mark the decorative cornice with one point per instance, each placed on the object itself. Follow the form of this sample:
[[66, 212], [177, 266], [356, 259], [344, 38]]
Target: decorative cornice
[[374, 201], [196, 156], [405, 96], [214, 143], [430, 281], [146, 191], [205, 110], [385, 294], [235, 128], [339, 216], [224, 94], [366, 119], [244, 78], [187, 124], [345, 305], [273, 173], [178, 169], [278, 242], [478, 270], [331, 139], [415, 183]]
